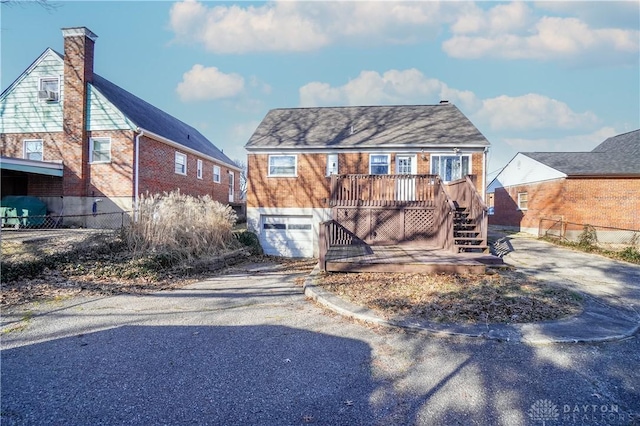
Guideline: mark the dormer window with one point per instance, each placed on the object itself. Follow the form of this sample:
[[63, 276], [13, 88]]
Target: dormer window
[[49, 89]]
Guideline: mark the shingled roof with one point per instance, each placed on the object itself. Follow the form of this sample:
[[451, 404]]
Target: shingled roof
[[399, 126], [148, 117], [618, 155]]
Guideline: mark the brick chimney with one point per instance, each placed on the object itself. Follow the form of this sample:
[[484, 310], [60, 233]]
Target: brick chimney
[[78, 71]]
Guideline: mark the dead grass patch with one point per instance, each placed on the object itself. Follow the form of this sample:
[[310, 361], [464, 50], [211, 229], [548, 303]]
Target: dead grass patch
[[504, 297]]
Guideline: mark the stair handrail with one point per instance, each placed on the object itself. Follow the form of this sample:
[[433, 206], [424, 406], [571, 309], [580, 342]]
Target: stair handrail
[[479, 216], [446, 226], [331, 234]]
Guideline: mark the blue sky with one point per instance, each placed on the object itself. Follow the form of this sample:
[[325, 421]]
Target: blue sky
[[532, 76]]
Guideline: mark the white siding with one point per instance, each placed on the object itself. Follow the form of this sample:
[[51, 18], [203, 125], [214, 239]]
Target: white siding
[[102, 114], [20, 110], [522, 170]]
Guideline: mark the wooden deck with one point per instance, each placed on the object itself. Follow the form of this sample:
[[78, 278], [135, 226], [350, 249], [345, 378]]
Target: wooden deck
[[411, 259]]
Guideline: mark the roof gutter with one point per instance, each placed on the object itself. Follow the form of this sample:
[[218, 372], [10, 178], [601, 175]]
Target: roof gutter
[[395, 148], [136, 176], [174, 144]]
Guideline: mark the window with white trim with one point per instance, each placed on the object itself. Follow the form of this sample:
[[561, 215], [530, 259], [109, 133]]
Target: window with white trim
[[199, 169], [181, 163], [49, 89], [379, 164], [33, 149], [100, 150], [216, 174], [283, 165], [523, 200], [451, 167], [332, 164]]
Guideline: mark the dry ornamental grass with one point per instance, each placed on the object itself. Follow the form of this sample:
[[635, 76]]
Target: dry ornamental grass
[[505, 297]]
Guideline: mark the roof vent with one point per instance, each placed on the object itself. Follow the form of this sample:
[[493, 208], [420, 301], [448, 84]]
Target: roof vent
[[444, 102], [352, 131]]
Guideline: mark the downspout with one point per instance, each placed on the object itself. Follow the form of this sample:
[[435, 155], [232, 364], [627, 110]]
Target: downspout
[[484, 175], [136, 175]]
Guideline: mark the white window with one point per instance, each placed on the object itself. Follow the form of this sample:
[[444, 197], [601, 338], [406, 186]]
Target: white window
[[199, 169], [216, 174], [49, 89], [99, 150], [332, 164], [283, 165], [181, 163], [33, 149], [523, 200], [451, 167], [406, 165], [379, 164]]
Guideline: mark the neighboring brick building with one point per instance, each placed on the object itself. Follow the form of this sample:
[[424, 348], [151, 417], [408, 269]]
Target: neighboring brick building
[[82, 144], [294, 152], [599, 188]]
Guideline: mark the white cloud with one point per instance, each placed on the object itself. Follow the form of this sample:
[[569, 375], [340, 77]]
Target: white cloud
[[531, 112], [512, 17], [510, 32], [205, 83], [521, 113], [393, 87], [302, 26]]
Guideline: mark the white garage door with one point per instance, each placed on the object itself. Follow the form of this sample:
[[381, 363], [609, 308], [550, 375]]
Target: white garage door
[[288, 236]]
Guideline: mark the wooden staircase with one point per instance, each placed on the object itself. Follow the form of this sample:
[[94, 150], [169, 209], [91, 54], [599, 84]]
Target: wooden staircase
[[467, 236]]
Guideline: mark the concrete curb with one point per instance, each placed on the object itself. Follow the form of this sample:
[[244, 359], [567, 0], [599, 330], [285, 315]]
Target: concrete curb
[[530, 333]]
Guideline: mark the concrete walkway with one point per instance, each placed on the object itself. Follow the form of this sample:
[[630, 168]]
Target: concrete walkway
[[611, 290], [246, 348]]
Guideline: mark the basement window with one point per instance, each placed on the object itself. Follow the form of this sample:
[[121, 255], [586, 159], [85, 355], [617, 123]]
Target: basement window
[[523, 199], [181, 163]]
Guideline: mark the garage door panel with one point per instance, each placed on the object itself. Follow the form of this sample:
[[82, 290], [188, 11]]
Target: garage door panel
[[289, 236]]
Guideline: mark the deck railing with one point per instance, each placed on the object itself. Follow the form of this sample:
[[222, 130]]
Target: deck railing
[[333, 234], [445, 208], [384, 190]]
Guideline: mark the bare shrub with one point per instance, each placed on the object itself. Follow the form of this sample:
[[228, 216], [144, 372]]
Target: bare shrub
[[178, 227]]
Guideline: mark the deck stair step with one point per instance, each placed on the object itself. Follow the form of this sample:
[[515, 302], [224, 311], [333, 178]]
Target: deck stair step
[[466, 233]]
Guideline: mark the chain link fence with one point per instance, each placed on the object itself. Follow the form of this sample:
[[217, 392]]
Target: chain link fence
[[604, 237], [20, 227]]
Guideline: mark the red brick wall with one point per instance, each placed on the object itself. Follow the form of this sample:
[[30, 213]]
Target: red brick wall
[[109, 179], [44, 186], [114, 179], [157, 173], [78, 70], [604, 202], [311, 187]]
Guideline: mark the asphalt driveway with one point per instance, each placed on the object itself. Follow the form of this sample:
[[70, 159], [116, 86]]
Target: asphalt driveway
[[247, 348]]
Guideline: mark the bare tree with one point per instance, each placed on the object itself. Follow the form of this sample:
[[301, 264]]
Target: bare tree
[[243, 178], [46, 4]]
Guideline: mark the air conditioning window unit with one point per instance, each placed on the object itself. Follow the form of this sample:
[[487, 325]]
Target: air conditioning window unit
[[47, 95]]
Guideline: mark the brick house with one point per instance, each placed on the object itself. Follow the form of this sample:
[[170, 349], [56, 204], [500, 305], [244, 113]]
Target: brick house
[[83, 144], [307, 166], [599, 188]]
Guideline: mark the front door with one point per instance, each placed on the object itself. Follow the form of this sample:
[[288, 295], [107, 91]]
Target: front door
[[406, 186]]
